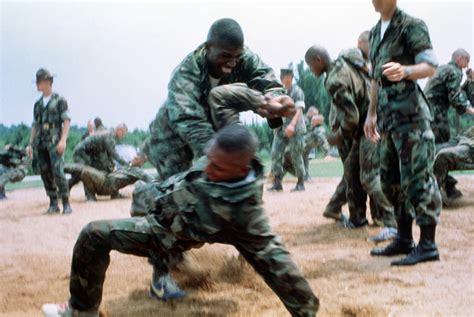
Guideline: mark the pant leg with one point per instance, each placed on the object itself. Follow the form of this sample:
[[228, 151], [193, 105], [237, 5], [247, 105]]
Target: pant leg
[[47, 176], [278, 152], [57, 166], [453, 158], [416, 150], [137, 236], [339, 198], [296, 147], [356, 195], [390, 174], [369, 158]]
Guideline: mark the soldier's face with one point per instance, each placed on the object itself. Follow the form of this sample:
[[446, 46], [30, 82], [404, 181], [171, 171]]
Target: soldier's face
[[316, 66], [286, 80], [43, 85], [226, 167], [222, 59], [463, 62]]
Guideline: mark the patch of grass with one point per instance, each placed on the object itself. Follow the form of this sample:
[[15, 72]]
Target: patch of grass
[[23, 185]]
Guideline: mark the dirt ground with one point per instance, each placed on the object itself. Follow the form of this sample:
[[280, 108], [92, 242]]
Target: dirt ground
[[36, 253]]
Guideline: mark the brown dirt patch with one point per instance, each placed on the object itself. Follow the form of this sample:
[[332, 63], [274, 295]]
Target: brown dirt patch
[[36, 253]]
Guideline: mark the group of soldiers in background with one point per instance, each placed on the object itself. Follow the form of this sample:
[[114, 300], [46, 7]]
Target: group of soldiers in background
[[373, 83]]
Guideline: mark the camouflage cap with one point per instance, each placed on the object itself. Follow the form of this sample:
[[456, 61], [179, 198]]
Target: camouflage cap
[[43, 74], [286, 71]]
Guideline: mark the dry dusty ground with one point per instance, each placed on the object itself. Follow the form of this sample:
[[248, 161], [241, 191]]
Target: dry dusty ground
[[36, 253]]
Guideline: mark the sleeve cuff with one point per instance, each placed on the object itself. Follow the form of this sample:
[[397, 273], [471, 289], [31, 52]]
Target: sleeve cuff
[[426, 56]]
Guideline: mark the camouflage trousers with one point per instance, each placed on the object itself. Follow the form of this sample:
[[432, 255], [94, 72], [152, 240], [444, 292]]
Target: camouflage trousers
[[316, 139], [105, 184], [51, 166], [369, 159], [295, 146], [339, 198], [11, 174], [142, 236], [99, 164], [406, 171], [458, 157]]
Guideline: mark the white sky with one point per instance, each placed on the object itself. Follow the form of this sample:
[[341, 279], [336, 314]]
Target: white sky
[[114, 60]]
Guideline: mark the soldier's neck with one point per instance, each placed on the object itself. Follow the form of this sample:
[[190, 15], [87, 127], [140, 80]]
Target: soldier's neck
[[47, 92], [387, 16]]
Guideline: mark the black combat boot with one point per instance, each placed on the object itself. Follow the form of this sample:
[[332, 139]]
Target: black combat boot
[[403, 242], [2, 192], [277, 186], [66, 206], [426, 250], [299, 185], [53, 205]]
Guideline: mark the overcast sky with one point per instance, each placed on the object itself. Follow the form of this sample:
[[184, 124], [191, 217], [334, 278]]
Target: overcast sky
[[114, 60]]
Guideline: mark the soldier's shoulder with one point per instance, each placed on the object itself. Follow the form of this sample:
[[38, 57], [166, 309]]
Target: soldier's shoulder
[[192, 65]]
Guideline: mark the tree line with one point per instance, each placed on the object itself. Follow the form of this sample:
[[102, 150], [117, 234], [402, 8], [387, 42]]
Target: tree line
[[315, 95]]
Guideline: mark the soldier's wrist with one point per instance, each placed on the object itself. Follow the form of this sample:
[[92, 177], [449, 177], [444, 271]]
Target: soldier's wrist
[[407, 71]]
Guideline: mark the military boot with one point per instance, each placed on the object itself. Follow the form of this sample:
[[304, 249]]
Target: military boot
[[426, 250], [2, 192], [299, 185], [66, 206], [53, 205], [402, 244], [277, 186]]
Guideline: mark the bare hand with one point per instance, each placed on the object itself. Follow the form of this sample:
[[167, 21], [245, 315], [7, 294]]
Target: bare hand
[[470, 110], [317, 120], [334, 138], [290, 130], [370, 129], [138, 160], [280, 106], [29, 152], [61, 147], [394, 71]]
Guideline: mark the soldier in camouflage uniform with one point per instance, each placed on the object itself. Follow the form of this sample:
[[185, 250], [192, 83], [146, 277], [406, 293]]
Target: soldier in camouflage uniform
[[315, 138], [183, 124], [289, 137], [219, 200], [97, 182], [13, 166], [400, 53], [348, 85], [49, 133], [460, 156], [98, 151], [443, 90]]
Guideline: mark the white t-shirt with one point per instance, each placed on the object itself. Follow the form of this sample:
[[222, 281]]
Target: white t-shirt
[[214, 81], [46, 99], [383, 28]]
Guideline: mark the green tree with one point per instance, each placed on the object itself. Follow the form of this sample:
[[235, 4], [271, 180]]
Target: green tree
[[313, 87]]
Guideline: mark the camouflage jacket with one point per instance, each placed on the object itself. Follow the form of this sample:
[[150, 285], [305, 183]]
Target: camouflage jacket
[[442, 91], [297, 94], [347, 83], [185, 117], [406, 41], [48, 120], [197, 210], [100, 146]]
